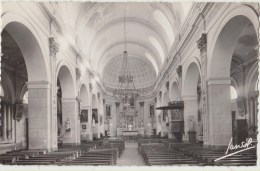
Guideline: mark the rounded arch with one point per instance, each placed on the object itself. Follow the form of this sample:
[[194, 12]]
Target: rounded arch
[[94, 101], [165, 99], [30, 44], [226, 37], [233, 93], [83, 94], [174, 91], [66, 81], [191, 78], [234, 83], [252, 79], [7, 85], [23, 91]]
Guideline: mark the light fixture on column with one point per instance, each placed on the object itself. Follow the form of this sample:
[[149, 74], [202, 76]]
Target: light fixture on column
[[126, 91]]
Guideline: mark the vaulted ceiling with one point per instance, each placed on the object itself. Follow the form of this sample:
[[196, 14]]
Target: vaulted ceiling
[[150, 30]]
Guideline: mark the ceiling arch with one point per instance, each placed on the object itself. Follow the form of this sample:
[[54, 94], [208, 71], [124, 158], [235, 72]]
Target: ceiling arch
[[117, 51], [150, 30], [119, 46], [143, 74]]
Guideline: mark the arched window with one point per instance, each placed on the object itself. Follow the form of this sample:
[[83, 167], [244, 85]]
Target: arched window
[[165, 24], [2, 94], [256, 85], [25, 98], [233, 93]]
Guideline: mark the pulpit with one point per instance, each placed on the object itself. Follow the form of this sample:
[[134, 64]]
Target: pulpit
[[176, 119]]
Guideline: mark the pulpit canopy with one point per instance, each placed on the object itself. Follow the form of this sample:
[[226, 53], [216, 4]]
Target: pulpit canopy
[[172, 105]]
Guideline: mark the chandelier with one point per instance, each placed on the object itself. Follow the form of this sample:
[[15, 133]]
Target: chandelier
[[126, 92]]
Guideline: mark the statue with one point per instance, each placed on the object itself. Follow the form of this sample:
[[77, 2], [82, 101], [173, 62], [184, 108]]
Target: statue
[[191, 123], [67, 125]]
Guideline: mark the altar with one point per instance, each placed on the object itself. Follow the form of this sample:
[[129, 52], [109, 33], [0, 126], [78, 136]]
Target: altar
[[130, 135]]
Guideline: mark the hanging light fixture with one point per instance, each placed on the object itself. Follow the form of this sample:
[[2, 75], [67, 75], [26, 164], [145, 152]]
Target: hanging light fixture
[[126, 91]]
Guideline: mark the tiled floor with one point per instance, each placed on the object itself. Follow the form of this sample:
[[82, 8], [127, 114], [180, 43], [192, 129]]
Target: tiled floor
[[130, 156]]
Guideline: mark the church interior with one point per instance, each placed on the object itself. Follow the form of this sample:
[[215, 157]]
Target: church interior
[[129, 83]]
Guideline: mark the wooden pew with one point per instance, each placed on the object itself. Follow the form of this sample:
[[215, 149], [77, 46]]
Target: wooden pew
[[159, 154]]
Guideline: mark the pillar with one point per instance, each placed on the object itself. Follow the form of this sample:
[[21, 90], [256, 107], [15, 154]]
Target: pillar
[[219, 112], [70, 120], [202, 46], [190, 115], [13, 122], [4, 121], [141, 104], [117, 115], [9, 122], [90, 124], [39, 115], [53, 50]]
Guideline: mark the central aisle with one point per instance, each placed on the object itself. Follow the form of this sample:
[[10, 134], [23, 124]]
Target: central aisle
[[130, 156]]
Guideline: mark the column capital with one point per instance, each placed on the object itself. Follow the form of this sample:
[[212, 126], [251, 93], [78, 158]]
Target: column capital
[[69, 100], [54, 47], [90, 87], [86, 107], [38, 84], [202, 43], [167, 85], [219, 81], [179, 71], [189, 97], [141, 104], [117, 104]]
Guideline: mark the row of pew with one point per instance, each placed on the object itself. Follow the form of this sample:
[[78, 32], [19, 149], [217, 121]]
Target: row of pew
[[90, 153], [105, 154], [208, 156], [166, 152], [159, 154]]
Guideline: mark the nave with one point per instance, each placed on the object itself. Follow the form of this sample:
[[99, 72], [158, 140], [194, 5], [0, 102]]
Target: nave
[[114, 83], [150, 152]]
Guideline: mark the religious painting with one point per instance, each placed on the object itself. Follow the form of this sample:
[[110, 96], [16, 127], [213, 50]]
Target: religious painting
[[132, 102], [84, 115], [108, 112], [84, 128], [95, 115], [151, 110]]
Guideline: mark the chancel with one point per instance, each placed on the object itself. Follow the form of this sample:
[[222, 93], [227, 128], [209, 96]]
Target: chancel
[[129, 83]]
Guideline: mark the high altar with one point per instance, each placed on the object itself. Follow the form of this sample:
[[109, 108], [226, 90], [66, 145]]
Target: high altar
[[129, 126]]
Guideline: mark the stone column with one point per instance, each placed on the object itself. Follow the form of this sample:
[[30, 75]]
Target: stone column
[[202, 46], [190, 115], [219, 112], [39, 115], [4, 121], [117, 115], [53, 50], [13, 122], [70, 120], [142, 120], [90, 123], [9, 122]]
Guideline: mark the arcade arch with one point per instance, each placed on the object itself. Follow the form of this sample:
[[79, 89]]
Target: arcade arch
[[234, 52]]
